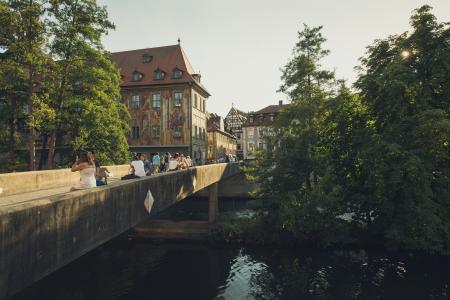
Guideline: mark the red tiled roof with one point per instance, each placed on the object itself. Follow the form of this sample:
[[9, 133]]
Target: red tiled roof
[[166, 58]]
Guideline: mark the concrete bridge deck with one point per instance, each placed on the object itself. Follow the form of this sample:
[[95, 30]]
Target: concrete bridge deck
[[41, 231]]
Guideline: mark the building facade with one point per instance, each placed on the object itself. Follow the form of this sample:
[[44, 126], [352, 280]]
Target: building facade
[[220, 142], [166, 101], [233, 124], [258, 127]]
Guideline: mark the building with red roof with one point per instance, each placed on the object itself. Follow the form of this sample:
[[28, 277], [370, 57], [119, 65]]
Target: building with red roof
[[166, 101]]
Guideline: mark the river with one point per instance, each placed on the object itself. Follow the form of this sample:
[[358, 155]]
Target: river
[[135, 269]]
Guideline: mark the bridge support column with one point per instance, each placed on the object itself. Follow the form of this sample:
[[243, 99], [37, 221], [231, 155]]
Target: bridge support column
[[213, 202]]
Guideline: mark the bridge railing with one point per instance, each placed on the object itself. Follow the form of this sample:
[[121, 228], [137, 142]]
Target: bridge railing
[[24, 182]]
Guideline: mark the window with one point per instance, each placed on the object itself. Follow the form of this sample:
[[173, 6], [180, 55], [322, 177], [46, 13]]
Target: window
[[261, 146], [195, 132], [136, 76], [204, 105], [156, 100], [250, 131], [146, 58], [238, 135], [135, 132], [195, 100], [177, 73], [177, 98], [261, 132], [238, 146], [177, 132], [251, 119], [159, 74], [204, 134], [251, 147], [271, 117], [156, 131], [135, 101]]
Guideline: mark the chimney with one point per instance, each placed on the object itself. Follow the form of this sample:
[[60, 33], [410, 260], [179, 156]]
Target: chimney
[[280, 103]]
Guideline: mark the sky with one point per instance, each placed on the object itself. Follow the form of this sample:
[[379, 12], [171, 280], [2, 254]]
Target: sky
[[239, 46]]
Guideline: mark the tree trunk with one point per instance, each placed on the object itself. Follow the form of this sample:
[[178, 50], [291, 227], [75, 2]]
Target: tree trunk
[[12, 131], [51, 149], [32, 133], [42, 156]]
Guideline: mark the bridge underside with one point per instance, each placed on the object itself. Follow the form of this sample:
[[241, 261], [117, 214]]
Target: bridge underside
[[37, 237]]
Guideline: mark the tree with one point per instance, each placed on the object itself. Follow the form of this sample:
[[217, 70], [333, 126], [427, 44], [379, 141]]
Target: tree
[[86, 83], [402, 82], [56, 75], [368, 167], [23, 35], [293, 170]]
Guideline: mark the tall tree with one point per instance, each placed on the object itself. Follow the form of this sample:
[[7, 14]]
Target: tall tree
[[24, 36], [403, 82], [84, 78]]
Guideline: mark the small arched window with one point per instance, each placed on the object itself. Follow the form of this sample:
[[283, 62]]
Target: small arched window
[[136, 76], [159, 74], [177, 73]]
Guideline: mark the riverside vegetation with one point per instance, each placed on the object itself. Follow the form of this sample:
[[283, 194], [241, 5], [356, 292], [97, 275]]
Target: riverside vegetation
[[367, 166]]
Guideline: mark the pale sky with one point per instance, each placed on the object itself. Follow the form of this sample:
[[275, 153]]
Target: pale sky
[[240, 45]]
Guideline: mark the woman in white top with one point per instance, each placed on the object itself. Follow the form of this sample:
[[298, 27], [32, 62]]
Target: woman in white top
[[138, 166], [84, 164]]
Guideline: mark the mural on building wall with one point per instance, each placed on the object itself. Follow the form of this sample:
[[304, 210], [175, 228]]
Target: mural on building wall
[[176, 118], [156, 116]]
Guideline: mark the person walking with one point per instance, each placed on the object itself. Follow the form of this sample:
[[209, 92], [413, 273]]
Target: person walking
[[147, 167], [84, 164], [156, 160]]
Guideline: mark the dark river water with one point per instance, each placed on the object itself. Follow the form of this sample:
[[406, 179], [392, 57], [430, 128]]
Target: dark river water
[[132, 269], [143, 270]]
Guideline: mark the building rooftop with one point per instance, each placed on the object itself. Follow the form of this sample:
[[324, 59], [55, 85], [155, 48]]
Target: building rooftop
[[139, 67]]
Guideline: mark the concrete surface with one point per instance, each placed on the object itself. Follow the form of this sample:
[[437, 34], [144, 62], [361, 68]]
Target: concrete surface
[[24, 182], [234, 187], [41, 235]]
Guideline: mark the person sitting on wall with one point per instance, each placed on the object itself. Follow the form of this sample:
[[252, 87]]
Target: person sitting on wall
[[84, 164], [136, 168], [189, 161], [173, 163], [101, 174]]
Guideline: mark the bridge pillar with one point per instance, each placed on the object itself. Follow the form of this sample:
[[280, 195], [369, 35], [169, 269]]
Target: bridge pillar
[[213, 202]]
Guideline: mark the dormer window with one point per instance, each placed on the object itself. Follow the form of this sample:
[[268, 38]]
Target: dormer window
[[136, 76], [177, 73], [146, 58], [159, 74]]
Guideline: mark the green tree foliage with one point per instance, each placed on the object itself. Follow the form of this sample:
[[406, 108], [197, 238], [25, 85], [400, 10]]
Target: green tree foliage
[[23, 35], [56, 77], [367, 167], [87, 93], [404, 83]]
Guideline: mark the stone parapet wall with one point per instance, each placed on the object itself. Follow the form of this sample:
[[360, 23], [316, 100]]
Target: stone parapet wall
[[24, 182]]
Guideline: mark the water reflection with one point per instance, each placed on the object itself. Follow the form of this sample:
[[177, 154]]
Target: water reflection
[[136, 270]]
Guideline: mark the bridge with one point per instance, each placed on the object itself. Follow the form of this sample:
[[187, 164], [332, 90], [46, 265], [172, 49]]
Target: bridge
[[43, 227]]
